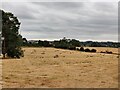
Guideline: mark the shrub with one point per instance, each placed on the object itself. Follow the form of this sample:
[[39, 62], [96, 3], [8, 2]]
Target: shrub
[[93, 50], [16, 53], [102, 52], [87, 50], [81, 49], [56, 56], [109, 52]]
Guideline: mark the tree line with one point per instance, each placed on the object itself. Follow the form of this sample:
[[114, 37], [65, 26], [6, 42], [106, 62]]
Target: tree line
[[68, 43]]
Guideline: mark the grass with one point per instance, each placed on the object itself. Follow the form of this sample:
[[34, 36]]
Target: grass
[[50, 67]]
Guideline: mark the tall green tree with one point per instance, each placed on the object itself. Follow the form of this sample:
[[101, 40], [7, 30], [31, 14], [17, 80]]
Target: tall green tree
[[12, 42]]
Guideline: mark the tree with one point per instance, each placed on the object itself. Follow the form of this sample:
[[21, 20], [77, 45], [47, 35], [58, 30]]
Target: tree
[[25, 42], [87, 50], [12, 42], [40, 43], [46, 44], [75, 42], [93, 50], [81, 49]]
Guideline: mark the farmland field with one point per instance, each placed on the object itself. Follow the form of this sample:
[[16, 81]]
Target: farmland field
[[59, 68]]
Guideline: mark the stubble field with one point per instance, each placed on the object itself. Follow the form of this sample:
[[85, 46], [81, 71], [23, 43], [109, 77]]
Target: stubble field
[[58, 68]]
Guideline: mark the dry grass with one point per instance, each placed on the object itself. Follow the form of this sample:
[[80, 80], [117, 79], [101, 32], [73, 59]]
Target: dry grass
[[50, 67]]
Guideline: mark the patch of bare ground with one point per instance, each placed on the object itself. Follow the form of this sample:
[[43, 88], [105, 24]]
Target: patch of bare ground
[[50, 67]]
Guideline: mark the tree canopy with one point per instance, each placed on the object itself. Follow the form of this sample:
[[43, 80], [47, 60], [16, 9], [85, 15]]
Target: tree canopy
[[12, 42]]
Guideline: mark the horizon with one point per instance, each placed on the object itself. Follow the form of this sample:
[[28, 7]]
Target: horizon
[[73, 38]]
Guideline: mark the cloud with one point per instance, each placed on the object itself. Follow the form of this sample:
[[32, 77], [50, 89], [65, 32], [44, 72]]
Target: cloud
[[54, 20]]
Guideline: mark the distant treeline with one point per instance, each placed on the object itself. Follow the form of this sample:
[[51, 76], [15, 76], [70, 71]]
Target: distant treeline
[[68, 43]]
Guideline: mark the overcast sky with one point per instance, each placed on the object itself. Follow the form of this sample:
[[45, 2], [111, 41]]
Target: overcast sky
[[96, 21]]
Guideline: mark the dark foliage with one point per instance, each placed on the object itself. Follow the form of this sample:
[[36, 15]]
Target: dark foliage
[[102, 52], [72, 48], [87, 50], [93, 50], [109, 52], [12, 42], [81, 49], [100, 44]]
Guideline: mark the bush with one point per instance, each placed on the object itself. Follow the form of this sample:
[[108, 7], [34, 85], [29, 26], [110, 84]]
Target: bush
[[81, 49], [109, 52], [15, 53], [56, 56], [102, 52], [93, 50], [87, 50]]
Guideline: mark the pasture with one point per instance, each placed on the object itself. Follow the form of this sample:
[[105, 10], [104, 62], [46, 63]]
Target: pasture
[[59, 68]]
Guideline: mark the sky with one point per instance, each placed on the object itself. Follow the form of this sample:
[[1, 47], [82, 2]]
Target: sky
[[96, 21]]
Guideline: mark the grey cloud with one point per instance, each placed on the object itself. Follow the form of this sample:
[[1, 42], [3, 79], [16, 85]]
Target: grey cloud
[[54, 20], [21, 10], [106, 7], [61, 5]]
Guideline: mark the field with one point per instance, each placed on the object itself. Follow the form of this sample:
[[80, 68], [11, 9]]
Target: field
[[58, 68]]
